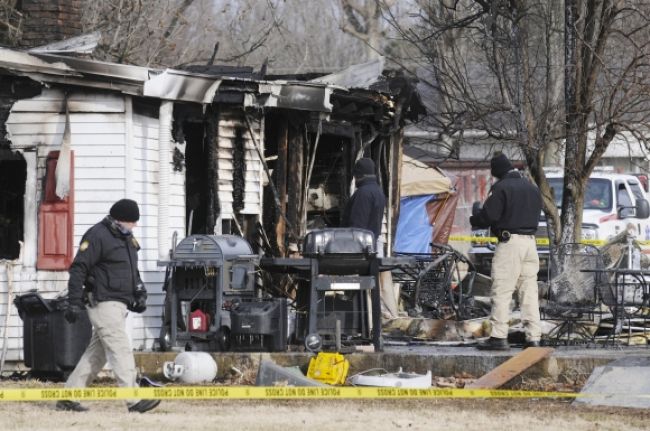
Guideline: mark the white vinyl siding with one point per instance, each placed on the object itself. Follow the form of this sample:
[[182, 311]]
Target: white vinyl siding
[[229, 122], [98, 127], [97, 139], [145, 328]]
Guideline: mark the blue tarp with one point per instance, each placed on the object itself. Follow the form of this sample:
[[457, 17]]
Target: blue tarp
[[414, 231]]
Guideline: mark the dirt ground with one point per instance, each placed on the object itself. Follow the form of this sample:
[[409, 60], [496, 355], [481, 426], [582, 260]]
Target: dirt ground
[[448, 415]]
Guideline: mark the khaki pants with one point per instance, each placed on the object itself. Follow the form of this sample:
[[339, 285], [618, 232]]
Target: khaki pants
[[109, 342], [514, 267]]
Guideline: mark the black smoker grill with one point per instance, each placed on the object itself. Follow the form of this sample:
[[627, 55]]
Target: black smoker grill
[[208, 276], [341, 267]]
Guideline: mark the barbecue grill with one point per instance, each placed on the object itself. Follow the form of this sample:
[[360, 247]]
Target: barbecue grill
[[340, 294]]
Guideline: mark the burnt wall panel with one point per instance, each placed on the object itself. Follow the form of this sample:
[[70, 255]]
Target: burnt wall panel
[[13, 89]]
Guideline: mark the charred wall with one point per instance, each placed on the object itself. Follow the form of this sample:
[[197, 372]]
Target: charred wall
[[11, 90]]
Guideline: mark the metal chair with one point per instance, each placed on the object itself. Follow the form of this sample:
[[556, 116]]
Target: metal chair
[[629, 302], [576, 285], [626, 294]]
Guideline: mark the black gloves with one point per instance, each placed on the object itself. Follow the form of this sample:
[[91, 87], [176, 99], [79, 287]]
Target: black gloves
[[474, 218], [139, 304], [73, 311]]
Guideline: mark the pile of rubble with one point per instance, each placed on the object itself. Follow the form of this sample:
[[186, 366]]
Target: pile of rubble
[[594, 299]]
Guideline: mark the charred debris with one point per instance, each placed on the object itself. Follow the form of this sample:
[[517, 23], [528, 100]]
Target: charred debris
[[308, 156], [306, 135]]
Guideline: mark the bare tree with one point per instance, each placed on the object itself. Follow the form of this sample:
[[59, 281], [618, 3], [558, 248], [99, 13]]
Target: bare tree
[[496, 66], [135, 31], [363, 20], [10, 23], [248, 32]]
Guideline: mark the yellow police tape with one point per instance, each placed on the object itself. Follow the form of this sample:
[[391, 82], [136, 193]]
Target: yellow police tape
[[540, 241], [257, 393]]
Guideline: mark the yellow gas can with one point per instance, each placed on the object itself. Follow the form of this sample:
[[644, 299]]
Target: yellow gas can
[[330, 368]]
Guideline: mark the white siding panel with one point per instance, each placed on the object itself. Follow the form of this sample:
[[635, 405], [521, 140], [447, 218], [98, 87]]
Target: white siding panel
[[99, 162], [52, 101], [76, 128], [107, 147], [89, 173], [228, 123], [144, 176], [98, 140], [253, 176], [146, 219], [248, 155], [148, 154], [99, 186], [23, 118], [93, 196], [146, 328]]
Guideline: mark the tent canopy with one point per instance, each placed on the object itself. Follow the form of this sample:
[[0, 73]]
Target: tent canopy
[[418, 178]]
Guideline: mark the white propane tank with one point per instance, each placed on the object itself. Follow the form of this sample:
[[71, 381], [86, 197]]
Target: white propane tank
[[191, 368]]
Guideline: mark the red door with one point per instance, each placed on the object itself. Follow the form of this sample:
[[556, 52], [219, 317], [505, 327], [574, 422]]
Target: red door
[[55, 220]]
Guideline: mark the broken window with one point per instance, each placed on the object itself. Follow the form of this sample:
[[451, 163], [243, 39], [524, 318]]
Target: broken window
[[13, 173]]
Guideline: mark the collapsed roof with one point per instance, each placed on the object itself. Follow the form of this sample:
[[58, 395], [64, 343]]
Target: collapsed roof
[[325, 94]]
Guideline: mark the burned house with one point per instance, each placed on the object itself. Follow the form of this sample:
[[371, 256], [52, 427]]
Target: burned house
[[208, 151]]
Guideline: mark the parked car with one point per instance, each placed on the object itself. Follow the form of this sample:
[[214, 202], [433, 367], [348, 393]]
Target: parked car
[[612, 202]]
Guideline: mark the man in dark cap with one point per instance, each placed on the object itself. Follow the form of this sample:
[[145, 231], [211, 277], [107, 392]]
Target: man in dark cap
[[104, 275], [365, 209], [512, 212]]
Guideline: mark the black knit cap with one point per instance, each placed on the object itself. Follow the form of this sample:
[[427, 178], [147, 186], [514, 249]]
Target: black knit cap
[[500, 165], [125, 210], [364, 167]]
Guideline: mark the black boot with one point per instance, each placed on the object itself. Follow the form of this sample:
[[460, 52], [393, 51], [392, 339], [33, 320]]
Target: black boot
[[70, 406], [143, 406], [494, 344]]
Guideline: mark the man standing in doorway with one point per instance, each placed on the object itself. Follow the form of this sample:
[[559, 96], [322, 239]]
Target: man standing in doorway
[[365, 209], [104, 275], [512, 212]]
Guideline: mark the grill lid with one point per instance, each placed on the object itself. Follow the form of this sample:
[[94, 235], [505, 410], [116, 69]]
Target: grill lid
[[339, 241], [211, 248]]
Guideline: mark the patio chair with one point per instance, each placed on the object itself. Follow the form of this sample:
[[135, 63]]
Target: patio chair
[[574, 296]]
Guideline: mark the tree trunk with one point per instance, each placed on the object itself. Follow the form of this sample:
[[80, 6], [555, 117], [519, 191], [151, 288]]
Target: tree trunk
[[570, 218]]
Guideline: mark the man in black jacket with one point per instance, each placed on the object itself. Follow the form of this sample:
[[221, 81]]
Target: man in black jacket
[[105, 275], [512, 212], [365, 209]]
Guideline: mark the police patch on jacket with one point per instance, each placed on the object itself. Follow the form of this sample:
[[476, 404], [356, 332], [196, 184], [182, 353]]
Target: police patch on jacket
[[84, 245]]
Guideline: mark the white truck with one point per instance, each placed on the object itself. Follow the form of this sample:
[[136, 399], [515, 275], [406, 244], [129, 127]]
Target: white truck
[[612, 203]]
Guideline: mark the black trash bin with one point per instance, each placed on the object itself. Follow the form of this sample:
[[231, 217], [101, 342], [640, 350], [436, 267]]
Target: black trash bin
[[51, 345]]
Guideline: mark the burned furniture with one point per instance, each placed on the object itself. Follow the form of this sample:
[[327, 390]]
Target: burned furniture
[[576, 289], [630, 320], [338, 300], [210, 283], [431, 286]]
